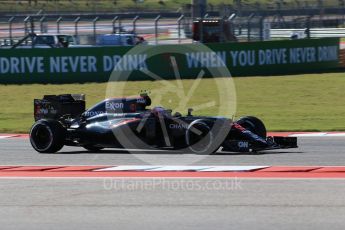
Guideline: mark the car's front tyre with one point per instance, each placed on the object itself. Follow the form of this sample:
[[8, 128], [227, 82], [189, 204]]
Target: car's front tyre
[[47, 136], [254, 125], [199, 137]]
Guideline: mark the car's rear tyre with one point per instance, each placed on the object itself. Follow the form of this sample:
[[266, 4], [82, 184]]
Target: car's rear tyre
[[253, 124], [47, 136], [92, 148]]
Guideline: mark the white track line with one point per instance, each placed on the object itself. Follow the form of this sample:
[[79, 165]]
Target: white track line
[[127, 168], [317, 135], [156, 168], [232, 168]]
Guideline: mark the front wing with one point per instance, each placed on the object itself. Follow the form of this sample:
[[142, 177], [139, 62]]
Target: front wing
[[250, 146]]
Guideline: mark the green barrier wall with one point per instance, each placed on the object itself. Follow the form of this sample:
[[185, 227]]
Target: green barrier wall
[[95, 64]]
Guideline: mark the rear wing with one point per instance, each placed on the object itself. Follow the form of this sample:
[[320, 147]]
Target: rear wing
[[56, 106]]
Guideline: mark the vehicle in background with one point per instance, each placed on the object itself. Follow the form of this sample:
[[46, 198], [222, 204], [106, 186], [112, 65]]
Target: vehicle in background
[[121, 39], [34, 40], [299, 34], [213, 30], [53, 40]]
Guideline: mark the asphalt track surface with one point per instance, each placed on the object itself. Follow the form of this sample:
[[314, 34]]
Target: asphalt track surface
[[325, 151], [173, 203]]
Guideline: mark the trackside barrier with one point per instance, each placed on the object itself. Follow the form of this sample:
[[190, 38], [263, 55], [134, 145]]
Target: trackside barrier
[[95, 64], [342, 58]]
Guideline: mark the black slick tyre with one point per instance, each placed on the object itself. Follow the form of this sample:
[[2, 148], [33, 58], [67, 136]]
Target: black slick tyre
[[47, 136], [254, 125]]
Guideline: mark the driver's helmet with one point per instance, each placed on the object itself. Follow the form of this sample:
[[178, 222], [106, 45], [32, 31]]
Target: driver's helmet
[[159, 111]]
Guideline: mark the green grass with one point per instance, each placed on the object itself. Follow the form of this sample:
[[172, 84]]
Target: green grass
[[313, 102], [121, 5], [97, 6]]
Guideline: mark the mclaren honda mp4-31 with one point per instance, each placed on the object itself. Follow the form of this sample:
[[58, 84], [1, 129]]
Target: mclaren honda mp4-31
[[127, 123]]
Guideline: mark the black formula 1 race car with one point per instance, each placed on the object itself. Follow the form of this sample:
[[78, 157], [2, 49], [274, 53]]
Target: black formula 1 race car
[[127, 123]]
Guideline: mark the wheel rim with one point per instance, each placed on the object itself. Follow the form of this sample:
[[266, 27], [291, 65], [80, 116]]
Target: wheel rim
[[199, 143]]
